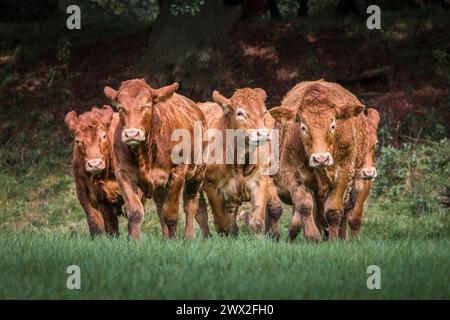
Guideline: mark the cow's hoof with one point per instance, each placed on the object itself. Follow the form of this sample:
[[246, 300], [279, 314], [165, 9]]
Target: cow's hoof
[[275, 236], [256, 225], [313, 237], [188, 237], [207, 236]]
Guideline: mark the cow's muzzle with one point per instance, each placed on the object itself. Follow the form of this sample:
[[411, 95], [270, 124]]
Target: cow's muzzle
[[320, 160], [95, 165], [132, 136], [369, 173]]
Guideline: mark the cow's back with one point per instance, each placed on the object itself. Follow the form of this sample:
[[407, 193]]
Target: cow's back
[[328, 93]]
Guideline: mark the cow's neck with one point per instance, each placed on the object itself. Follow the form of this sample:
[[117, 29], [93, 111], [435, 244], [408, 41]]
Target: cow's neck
[[96, 182], [324, 179], [145, 155], [142, 156]]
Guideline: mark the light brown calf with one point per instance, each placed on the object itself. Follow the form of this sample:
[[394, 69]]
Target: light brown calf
[[323, 135], [365, 176], [93, 165], [228, 185], [143, 147]]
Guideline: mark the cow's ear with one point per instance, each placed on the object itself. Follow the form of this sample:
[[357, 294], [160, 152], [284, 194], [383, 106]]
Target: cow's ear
[[261, 93], [283, 114], [351, 110], [164, 93], [71, 120], [107, 114], [222, 101], [110, 93], [373, 117]]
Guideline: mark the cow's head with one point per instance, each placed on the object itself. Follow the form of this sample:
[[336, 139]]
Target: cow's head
[[317, 124], [134, 101], [90, 131], [369, 171], [246, 111]]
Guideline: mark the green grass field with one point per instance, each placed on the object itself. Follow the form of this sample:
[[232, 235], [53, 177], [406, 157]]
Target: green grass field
[[34, 266]]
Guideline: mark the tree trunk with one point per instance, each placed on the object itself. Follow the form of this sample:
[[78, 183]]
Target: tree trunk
[[179, 44]]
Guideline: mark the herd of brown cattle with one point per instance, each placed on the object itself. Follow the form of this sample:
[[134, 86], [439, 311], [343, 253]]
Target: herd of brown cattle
[[326, 161]]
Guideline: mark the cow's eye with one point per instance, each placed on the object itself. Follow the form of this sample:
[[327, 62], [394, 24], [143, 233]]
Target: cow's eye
[[119, 107], [103, 135], [78, 142], [333, 126], [240, 113], [304, 128]]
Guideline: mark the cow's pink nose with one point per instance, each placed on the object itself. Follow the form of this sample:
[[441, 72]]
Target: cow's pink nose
[[95, 165], [132, 135], [369, 172], [321, 159]]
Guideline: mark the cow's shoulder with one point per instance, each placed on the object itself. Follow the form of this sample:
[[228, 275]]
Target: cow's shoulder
[[214, 114]]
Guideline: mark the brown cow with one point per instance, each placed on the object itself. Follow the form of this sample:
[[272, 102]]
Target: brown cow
[[143, 147], [93, 166], [323, 135], [228, 185], [365, 176]]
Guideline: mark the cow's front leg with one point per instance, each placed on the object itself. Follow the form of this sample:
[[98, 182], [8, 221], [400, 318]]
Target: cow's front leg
[[355, 218], [231, 210], [273, 212], [133, 204], [95, 221], [356, 215], [171, 204], [159, 196], [258, 190], [343, 227], [302, 215], [94, 218], [217, 202], [202, 216], [350, 199], [334, 206], [319, 215], [110, 218], [333, 214], [191, 197], [303, 206]]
